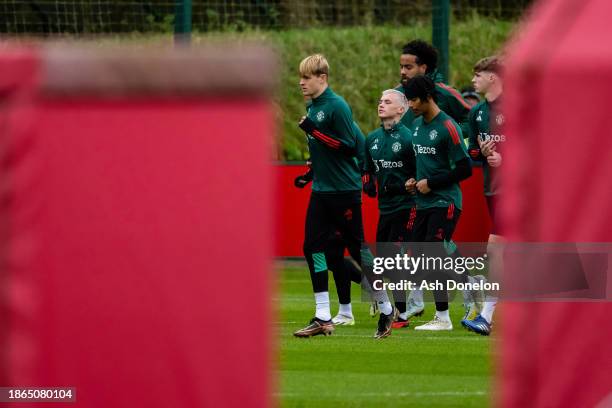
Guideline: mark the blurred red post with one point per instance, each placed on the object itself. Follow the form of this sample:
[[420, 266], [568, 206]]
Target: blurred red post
[[557, 172], [136, 224]]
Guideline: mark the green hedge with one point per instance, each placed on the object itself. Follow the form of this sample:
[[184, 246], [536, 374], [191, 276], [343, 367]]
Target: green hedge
[[364, 61]]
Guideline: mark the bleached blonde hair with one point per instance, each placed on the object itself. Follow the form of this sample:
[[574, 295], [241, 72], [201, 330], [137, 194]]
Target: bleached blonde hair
[[314, 65], [401, 98]]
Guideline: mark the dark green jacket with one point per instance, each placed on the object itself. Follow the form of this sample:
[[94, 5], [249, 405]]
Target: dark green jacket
[[438, 145], [485, 123], [334, 170], [389, 156]]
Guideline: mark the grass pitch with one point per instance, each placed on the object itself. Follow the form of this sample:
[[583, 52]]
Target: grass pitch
[[351, 369]]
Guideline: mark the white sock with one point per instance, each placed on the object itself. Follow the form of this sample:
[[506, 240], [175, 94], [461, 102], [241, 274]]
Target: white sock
[[443, 315], [403, 315], [488, 309], [385, 307], [322, 306], [346, 310], [382, 299], [417, 296]]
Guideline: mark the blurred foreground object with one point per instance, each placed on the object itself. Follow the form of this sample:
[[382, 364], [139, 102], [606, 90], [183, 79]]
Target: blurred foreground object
[[135, 219], [558, 172]]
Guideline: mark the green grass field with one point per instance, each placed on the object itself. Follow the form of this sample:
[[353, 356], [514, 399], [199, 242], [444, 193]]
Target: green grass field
[[351, 369]]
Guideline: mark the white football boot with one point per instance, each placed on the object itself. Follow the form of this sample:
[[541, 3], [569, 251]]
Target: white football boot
[[343, 320], [436, 325]]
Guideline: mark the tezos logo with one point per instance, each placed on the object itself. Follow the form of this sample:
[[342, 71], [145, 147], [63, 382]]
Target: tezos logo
[[396, 147], [433, 134], [320, 116], [499, 119], [424, 149], [386, 164], [485, 137]]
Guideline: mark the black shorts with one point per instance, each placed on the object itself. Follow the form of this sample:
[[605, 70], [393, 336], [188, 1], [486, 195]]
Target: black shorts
[[396, 226], [333, 220], [492, 205], [435, 224]]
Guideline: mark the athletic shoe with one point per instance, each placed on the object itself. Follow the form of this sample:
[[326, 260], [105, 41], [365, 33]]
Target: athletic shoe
[[384, 325], [414, 309], [436, 324], [471, 311], [374, 309], [400, 323], [316, 327], [343, 320], [478, 325]]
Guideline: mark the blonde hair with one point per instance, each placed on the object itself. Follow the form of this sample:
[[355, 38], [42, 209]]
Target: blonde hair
[[314, 65], [401, 98]]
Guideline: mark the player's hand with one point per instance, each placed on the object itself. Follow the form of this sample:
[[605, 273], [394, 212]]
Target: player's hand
[[495, 159], [301, 181], [411, 185], [487, 148], [422, 186], [369, 185], [307, 125]]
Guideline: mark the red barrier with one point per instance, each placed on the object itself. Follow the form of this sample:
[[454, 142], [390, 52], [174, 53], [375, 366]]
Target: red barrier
[[132, 229], [474, 224], [558, 354]]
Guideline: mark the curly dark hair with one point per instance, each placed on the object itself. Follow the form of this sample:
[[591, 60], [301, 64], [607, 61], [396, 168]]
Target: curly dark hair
[[421, 87], [424, 52]]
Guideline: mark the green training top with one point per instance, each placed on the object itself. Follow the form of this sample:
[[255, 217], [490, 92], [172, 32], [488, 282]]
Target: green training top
[[333, 171], [360, 142], [438, 145], [389, 155], [485, 122], [448, 100]]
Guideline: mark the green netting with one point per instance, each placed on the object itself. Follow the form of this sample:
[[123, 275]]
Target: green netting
[[75, 17]]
